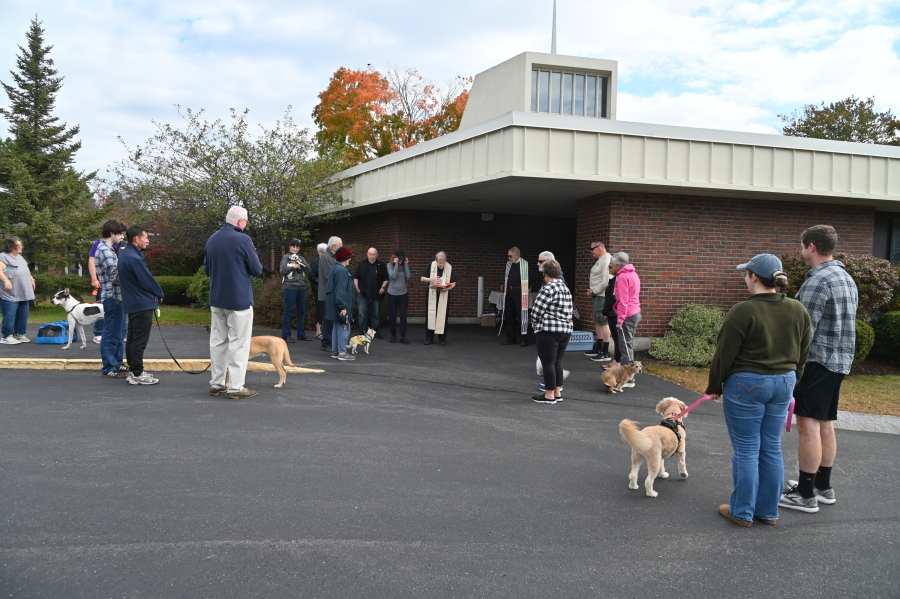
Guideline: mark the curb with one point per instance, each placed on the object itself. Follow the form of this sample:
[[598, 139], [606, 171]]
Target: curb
[[161, 365]]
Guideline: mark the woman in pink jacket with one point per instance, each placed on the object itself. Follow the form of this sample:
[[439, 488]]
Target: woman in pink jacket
[[628, 304]]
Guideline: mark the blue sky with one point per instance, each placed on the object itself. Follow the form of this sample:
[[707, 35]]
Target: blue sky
[[705, 63]]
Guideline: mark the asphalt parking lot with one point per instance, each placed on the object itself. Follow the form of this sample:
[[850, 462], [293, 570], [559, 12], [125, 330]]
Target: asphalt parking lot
[[412, 472]]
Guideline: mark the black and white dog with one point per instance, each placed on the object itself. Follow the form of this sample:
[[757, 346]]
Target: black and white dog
[[77, 313]]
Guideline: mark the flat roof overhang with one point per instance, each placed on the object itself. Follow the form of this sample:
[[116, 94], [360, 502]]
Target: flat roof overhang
[[539, 164]]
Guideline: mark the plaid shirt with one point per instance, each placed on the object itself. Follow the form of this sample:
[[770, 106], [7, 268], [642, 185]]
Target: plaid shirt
[[830, 297], [552, 311], [107, 264]]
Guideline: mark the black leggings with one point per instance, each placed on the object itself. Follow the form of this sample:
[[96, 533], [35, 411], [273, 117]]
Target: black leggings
[[613, 320], [395, 302], [551, 349]]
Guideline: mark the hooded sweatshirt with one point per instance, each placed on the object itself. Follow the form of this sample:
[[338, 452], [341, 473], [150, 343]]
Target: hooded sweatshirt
[[628, 293]]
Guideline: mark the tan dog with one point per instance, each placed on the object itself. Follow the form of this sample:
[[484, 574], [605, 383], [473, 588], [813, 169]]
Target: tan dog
[[277, 350], [361, 340], [615, 378], [655, 444]]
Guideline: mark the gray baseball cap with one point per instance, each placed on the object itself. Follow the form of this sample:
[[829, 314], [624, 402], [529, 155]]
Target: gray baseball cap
[[762, 265]]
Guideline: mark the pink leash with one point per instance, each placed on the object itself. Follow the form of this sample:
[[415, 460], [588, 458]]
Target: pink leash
[[787, 423]]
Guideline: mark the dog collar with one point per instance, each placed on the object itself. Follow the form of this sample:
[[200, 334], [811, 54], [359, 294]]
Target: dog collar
[[672, 424]]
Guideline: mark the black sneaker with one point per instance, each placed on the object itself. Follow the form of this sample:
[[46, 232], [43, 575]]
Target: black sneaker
[[122, 368], [393, 340], [592, 352], [114, 374], [404, 340], [289, 340], [602, 357], [542, 399], [378, 336]]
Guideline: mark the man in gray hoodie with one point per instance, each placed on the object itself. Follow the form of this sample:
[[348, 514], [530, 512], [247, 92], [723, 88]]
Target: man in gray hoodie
[[326, 261]]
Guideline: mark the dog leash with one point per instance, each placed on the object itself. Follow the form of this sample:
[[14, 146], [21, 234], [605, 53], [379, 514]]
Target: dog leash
[[787, 423], [174, 359]]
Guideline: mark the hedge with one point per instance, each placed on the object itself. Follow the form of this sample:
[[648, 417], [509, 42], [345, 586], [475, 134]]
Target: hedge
[[865, 338], [887, 337], [692, 340], [47, 284], [175, 289]]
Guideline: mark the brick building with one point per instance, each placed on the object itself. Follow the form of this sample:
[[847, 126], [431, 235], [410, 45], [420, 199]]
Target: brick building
[[540, 162]]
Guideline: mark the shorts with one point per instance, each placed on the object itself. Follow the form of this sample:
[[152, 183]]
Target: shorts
[[599, 300], [817, 393]]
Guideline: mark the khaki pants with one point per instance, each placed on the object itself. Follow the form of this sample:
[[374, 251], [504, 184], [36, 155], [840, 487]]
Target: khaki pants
[[229, 346]]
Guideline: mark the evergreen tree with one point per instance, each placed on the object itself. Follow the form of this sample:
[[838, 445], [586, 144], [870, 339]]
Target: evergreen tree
[[47, 204]]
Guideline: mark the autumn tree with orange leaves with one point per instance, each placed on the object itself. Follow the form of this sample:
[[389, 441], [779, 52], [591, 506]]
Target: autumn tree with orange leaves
[[364, 114]]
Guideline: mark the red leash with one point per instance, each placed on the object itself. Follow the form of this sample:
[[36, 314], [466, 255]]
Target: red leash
[[787, 423]]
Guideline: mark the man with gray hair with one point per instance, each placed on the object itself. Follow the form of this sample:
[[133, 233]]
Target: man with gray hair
[[326, 261], [544, 257], [314, 282], [230, 262], [515, 299], [627, 306]]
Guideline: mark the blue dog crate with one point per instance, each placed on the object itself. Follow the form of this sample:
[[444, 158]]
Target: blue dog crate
[[581, 341], [56, 333]]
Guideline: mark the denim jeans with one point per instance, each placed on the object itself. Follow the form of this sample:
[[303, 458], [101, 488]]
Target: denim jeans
[[15, 317], [756, 406], [294, 299], [369, 314], [340, 337], [112, 345]]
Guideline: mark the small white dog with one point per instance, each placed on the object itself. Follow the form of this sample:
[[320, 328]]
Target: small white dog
[[77, 313], [363, 341], [540, 370]]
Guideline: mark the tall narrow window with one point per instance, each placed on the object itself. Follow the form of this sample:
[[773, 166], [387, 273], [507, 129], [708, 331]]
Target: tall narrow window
[[895, 242], [534, 88], [567, 94], [590, 100], [579, 95], [555, 83], [544, 91], [604, 91]]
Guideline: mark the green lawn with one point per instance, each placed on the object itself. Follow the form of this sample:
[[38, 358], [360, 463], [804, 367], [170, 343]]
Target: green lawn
[[46, 312]]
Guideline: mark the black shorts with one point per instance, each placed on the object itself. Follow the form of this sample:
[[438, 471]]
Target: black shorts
[[817, 393]]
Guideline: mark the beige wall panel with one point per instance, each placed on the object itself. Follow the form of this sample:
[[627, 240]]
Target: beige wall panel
[[562, 151], [479, 160], [633, 157], [408, 173], [841, 166], [395, 179], [440, 156], [609, 155], [803, 169], [822, 170], [494, 162], [878, 176], [655, 158], [722, 163], [430, 169], [763, 166], [893, 177], [701, 157], [518, 148], [859, 174], [784, 168], [466, 152], [537, 150], [507, 138], [586, 153], [421, 162], [453, 153], [678, 160], [742, 165]]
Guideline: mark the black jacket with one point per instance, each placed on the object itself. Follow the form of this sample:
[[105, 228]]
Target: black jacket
[[610, 299]]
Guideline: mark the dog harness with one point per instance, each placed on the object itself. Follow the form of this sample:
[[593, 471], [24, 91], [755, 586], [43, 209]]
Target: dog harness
[[672, 424]]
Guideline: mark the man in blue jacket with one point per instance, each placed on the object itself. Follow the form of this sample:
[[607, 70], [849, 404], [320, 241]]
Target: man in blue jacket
[[230, 262], [141, 296]]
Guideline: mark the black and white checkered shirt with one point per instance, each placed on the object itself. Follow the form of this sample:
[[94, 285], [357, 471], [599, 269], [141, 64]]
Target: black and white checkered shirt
[[552, 311]]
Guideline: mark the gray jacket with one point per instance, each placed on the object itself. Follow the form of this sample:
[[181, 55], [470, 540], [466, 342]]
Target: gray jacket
[[293, 278], [326, 261], [397, 278]]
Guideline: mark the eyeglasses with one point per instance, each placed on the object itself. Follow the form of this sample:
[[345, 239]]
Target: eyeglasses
[[510, 256], [541, 261]]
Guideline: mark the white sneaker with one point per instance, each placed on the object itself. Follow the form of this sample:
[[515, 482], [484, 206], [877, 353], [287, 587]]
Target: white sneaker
[[23, 339], [145, 379], [10, 341], [629, 384], [97, 339]]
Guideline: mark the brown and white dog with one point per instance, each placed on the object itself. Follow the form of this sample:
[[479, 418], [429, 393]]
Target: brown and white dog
[[614, 378], [656, 443], [277, 350]]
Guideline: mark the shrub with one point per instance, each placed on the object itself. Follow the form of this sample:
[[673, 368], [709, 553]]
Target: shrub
[[865, 338], [692, 340], [894, 304], [198, 290], [47, 284], [268, 304], [876, 280], [887, 337], [175, 289]]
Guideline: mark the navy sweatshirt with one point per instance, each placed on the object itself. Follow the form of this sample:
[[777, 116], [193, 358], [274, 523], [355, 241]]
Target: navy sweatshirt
[[140, 291], [230, 262]]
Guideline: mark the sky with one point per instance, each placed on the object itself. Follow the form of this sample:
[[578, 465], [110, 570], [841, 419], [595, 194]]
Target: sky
[[718, 64]]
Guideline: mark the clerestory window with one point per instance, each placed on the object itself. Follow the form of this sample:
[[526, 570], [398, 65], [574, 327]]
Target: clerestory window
[[569, 92]]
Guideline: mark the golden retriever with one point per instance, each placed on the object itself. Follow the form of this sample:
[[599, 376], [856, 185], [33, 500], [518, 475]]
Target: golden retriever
[[655, 444]]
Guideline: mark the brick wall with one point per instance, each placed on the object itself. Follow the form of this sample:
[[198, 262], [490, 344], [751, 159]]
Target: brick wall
[[474, 247], [685, 248]]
